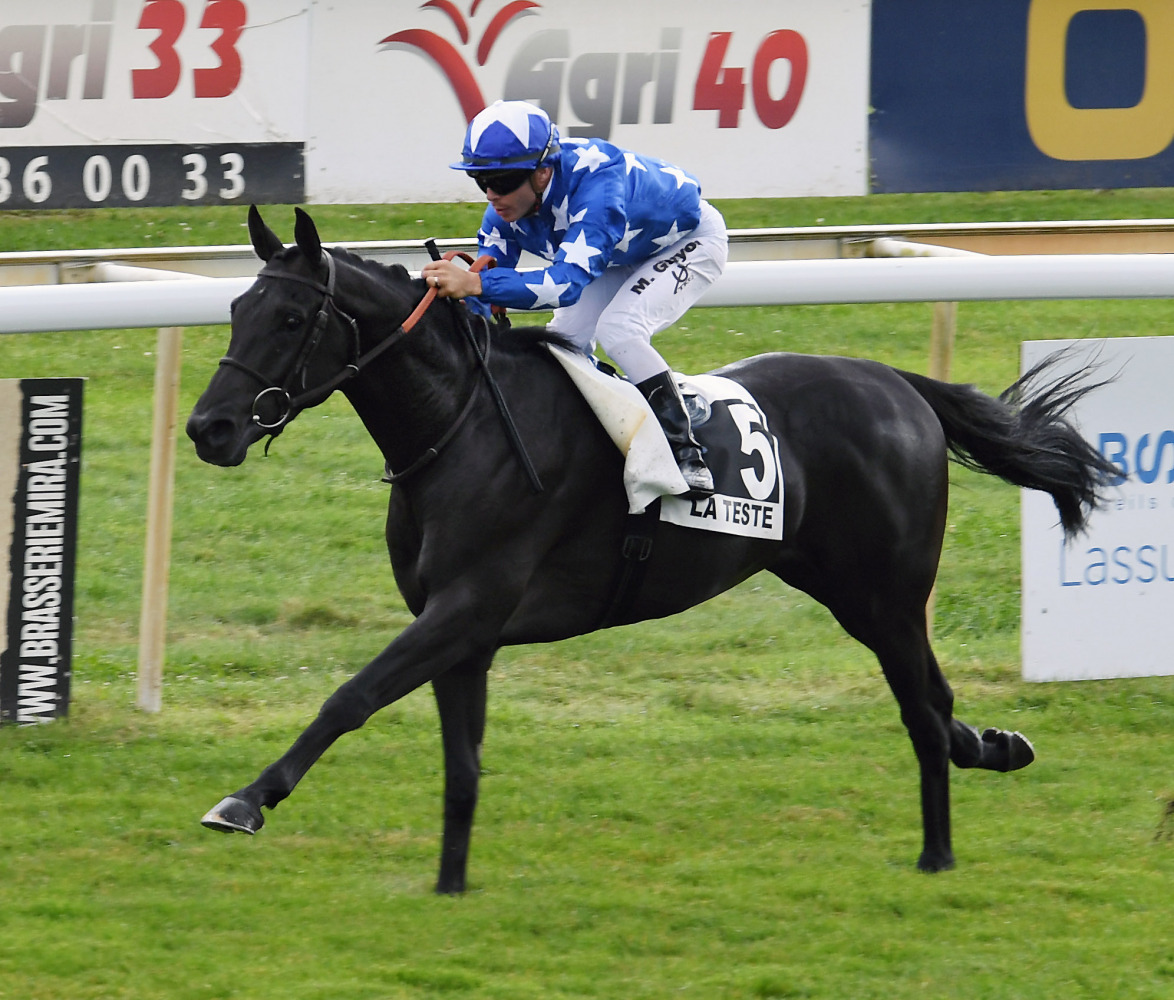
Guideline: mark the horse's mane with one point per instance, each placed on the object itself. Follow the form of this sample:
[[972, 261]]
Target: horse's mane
[[530, 337], [506, 336], [388, 273]]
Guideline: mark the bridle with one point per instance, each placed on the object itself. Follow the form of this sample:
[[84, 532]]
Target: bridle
[[289, 405], [292, 405]]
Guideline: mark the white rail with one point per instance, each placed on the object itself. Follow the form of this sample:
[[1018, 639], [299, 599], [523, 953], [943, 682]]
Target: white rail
[[205, 301], [50, 267], [935, 274]]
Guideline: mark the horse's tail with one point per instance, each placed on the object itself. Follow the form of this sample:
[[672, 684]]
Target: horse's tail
[[1024, 437]]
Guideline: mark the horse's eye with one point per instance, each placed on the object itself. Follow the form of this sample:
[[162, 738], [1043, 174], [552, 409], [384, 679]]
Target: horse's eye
[[293, 322]]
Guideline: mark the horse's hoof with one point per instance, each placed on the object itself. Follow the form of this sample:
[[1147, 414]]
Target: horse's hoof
[[1006, 751], [233, 815], [935, 862]]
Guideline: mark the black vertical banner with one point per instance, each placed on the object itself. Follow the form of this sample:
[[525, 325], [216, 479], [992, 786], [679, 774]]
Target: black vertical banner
[[40, 513]]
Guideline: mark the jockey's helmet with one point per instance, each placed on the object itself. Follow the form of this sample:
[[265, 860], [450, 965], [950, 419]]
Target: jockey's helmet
[[508, 135]]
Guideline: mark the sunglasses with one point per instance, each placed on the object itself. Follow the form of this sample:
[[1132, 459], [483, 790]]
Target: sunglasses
[[502, 181]]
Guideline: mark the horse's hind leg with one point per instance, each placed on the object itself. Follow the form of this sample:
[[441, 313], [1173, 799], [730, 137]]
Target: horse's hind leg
[[927, 704], [925, 701], [992, 750], [460, 698], [897, 635]]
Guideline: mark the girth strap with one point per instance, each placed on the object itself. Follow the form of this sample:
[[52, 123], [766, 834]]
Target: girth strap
[[639, 535]]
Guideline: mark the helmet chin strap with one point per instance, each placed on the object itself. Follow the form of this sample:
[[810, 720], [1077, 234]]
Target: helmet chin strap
[[538, 191]]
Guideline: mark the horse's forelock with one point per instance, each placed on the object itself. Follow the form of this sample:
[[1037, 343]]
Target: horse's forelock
[[284, 259]]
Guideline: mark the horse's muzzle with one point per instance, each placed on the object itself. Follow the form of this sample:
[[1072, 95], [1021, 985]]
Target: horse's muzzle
[[220, 440]]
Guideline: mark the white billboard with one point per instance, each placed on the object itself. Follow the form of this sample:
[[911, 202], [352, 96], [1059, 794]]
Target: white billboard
[[109, 103], [1099, 605], [755, 99]]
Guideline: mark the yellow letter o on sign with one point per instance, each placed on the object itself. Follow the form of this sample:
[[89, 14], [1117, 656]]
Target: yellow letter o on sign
[[1066, 133]]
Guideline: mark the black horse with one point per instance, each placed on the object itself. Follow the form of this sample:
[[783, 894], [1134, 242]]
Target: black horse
[[484, 559]]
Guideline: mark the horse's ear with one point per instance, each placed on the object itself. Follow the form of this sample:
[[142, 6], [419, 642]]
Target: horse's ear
[[306, 234], [265, 241]]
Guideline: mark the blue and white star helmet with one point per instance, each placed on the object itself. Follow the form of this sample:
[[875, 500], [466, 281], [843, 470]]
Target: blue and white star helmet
[[508, 135]]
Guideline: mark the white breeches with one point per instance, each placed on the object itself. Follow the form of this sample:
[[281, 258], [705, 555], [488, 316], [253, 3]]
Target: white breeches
[[622, 308]]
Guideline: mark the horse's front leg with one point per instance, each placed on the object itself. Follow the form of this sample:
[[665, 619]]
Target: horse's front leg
[[460, 699], [446, 633]]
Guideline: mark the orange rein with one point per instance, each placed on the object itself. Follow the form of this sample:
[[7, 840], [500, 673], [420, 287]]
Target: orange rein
[[480, 264]]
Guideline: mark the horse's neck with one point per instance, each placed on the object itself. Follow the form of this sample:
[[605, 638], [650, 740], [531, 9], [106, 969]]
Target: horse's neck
[[409, 397]]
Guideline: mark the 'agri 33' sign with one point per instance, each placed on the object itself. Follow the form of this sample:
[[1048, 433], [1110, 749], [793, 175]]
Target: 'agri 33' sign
[[753, 99], [1014, 94], [148, 102]]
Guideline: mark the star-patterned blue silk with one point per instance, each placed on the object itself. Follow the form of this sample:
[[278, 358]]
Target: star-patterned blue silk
[[603, 206]]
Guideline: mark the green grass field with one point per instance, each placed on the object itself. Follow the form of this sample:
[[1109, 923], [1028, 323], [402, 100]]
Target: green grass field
[[719, 805]]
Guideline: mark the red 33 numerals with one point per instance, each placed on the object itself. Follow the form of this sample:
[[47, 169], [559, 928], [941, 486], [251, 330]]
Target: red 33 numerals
[[167, 17], [722, 89]]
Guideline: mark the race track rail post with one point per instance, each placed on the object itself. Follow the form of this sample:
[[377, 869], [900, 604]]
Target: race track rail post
[[160, 498]]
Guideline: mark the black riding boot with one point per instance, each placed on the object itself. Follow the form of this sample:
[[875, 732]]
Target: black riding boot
[[665, 399]]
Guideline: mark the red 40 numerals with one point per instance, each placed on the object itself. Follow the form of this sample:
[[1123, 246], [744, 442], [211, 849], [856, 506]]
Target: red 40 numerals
[[167, 17], [722, 89]]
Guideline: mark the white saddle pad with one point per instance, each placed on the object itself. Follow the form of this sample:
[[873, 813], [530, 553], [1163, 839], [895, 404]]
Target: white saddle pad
[[650, 471]]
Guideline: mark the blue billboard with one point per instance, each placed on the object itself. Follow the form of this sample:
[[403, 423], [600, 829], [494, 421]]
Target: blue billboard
[[1020, 94]]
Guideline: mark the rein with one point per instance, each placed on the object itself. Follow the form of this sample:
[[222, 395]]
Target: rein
[[291, 405]]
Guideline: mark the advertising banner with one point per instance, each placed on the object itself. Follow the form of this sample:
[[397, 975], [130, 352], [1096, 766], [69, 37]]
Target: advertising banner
[[110, 103], [1021, 94], [756, 100], [1099, 605], [40, 457], [172, 102]]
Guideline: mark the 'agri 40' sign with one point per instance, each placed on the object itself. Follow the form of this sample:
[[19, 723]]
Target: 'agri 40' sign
[[754, 100], [541, 68]]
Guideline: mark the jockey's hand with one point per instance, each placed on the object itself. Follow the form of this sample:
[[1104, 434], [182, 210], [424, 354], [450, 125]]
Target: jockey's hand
[[451, 280]]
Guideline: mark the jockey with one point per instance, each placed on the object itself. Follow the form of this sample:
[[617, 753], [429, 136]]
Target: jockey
[[629, 243]]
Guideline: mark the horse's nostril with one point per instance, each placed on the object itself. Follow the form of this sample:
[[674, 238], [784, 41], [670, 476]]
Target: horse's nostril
[[210, 433], [220, 432]]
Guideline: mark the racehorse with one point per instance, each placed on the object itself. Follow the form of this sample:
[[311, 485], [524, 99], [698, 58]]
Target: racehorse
[[506, 531]]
